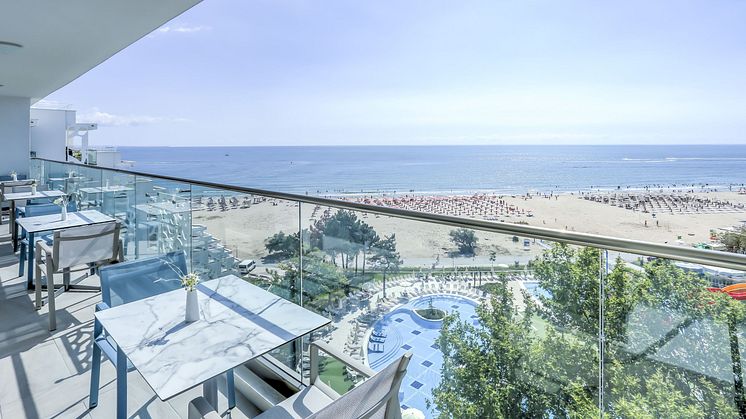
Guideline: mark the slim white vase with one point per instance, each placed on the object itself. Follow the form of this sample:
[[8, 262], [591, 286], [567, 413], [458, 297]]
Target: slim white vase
[[33, 190], [64, 213], [14, 177], [192, 307]]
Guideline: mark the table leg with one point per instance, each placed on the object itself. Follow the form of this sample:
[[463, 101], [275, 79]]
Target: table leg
[[121, 384], [210, 391], [12, 225], [30, 270]]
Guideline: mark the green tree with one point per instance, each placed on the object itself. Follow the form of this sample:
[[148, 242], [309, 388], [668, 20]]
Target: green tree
[[734, 241], [386, 257], [501, 369], [283, 246], [367, 238], [323, 282], [668, 349], [344, 237], [465, 241]]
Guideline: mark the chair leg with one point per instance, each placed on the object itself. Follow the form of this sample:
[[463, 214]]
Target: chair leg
[[37, 284], [121, 384], [66, 279], [21, 259], [30, 268], [95, 375], [231, 390], [50, 292]]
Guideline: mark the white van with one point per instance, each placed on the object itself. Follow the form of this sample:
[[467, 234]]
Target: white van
[[246, 266]]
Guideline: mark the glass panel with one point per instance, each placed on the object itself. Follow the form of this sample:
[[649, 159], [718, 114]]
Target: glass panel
[[498, 326], [36, 169], [674, 339], [160, 221], [251, 237]]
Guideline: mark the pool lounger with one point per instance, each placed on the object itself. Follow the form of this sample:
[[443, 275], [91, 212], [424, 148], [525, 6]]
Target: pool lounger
[[375, 347]]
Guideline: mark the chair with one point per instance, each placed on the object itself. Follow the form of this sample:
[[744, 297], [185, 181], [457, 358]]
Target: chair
[[74, 250], [377, 397], [124, 283], [34, 210]]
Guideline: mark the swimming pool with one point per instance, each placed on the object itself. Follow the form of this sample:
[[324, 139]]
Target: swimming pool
[[406, 331], [534, 289]]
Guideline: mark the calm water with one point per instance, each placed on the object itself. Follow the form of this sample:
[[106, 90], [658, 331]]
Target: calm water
[[447, 169]]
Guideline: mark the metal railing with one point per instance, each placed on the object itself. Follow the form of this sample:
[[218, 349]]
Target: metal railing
[[685, 254]]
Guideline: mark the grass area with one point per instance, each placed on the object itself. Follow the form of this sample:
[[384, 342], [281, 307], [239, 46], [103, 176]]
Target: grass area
[[333, 374]]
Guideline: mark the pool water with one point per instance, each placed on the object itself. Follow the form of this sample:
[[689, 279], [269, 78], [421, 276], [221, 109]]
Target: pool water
[[407, 332], [534, 289]]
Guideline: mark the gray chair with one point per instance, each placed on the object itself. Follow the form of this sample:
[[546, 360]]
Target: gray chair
[[74, 250], [377, 397]]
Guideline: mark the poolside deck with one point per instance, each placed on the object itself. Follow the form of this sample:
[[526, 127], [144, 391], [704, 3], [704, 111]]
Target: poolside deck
[[47, 375]]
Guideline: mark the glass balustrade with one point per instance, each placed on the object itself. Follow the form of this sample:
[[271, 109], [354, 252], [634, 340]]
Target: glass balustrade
[[498, 325]]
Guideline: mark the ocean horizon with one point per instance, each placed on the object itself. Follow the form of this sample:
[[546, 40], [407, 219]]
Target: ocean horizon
[[449, 169]]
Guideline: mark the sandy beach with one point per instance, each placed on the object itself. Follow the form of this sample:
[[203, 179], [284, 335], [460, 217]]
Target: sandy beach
[[244, 230]]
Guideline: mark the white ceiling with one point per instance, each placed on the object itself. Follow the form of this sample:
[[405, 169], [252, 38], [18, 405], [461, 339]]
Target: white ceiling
[[63, 39]]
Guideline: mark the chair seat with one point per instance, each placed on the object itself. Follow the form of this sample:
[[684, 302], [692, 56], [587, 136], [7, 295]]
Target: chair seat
[[301, 405]]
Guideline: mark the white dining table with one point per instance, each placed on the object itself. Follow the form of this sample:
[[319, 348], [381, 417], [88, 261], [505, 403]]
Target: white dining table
[[5, 184], [53, 222], [160, 208], [106, 189], [238, 322], [24, 196]]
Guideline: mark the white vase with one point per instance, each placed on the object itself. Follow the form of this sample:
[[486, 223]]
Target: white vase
[[63, 216], [33, 190], [192, 307], [14, 177]]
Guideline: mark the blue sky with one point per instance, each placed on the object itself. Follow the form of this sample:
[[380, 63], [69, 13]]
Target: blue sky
[[285, 72]]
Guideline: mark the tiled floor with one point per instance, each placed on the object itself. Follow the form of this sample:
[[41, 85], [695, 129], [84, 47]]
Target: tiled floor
[[47, 375], [406, 333]]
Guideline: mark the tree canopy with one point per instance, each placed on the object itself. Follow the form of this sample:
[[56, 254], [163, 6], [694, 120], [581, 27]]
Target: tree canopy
[[465, 241], [667, 349], [734, 241]]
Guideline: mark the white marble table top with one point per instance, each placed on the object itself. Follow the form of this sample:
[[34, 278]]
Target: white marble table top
[[60, 179], [238, 322], [158, 208], [19, 182], [28, 195], [53, 222], [106, 189]]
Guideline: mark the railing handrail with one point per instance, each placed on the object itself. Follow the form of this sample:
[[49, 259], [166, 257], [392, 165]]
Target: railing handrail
[[680, 253]]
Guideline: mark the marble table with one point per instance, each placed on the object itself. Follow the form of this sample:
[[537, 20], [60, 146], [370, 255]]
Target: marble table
[[106, 189], [27, 196], [5, 184], [160, 208], [238, 322], [53, 222]]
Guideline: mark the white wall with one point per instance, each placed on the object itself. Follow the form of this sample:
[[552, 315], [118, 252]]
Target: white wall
[[49, 133], [14, 134]]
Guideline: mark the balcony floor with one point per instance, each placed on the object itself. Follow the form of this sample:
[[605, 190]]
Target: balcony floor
[[47, 375]]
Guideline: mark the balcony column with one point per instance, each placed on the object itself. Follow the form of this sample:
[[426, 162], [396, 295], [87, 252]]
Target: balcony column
[[14, 135]]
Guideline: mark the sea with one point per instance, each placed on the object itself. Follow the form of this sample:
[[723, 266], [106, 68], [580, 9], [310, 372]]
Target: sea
[[444, 170]]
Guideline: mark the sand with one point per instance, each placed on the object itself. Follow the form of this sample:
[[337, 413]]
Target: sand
[[423, 244]]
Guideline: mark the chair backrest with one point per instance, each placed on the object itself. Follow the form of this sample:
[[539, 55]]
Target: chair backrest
[[137, 279], [33, 210], [97, 243], [377, 397]]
